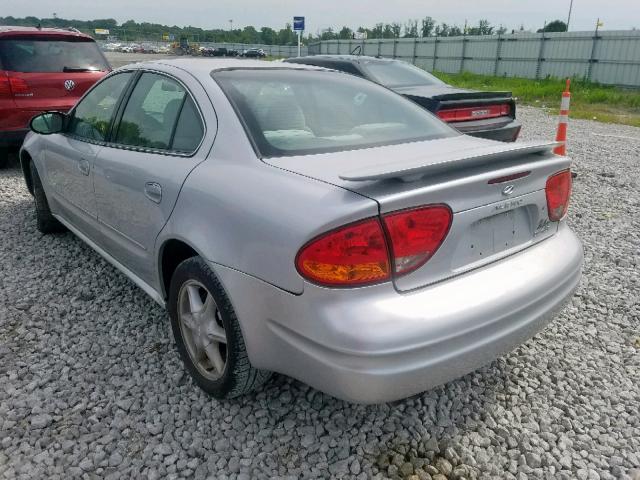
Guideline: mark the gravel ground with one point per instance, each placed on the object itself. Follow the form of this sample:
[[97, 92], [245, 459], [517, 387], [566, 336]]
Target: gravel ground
[[92, 387]]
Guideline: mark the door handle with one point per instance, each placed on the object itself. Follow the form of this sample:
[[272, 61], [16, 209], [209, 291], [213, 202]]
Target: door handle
[[153, 191], [84, 166]]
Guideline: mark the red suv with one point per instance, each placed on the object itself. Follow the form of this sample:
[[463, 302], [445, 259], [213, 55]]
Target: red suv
[[42, 69]]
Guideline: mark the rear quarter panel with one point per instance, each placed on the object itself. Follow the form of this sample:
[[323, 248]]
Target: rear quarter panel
[[237, 211], [254, 218]]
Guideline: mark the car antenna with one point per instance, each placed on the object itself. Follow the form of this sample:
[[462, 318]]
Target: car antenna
[[357, 49], [39, 26]]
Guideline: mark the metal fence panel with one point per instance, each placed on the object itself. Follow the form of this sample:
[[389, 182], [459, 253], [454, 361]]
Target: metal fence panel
[[610, 57]]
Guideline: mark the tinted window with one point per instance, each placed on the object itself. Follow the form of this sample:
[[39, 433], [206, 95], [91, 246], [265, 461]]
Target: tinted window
[[151, 112], [292, 112], [45, 55], [399, 74], [189, 130], [92, 117]]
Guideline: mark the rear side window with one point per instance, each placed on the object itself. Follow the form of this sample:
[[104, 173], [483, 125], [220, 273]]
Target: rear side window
[[92, 116], [41, 55], [150, 117], [189, 130]]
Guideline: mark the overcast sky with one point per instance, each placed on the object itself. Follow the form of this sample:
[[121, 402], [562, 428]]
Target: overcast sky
[[320, 14]]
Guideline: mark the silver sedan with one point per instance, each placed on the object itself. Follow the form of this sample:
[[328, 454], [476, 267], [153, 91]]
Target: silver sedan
[[304, 221]]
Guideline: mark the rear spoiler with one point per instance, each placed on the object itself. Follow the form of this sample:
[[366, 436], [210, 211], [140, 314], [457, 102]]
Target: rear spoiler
[[462, 96], [414, 169]]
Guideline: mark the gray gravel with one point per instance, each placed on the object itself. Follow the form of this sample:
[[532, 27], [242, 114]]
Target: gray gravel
[[92, 387]]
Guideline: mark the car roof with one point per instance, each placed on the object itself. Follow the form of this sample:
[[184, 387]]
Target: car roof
[[204, 66], [17, 31]]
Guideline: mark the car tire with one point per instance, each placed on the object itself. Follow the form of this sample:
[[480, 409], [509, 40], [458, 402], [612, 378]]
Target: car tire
[[45, 221], [198, 328]]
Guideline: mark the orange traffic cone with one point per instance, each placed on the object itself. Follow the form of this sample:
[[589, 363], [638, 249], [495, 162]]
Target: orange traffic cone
[[563, 121]]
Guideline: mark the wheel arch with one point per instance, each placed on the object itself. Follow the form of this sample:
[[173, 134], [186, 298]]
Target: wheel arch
[[25, 162], [173, 251]]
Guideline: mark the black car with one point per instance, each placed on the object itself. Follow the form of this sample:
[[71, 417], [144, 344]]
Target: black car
[[482, 114], [215, 52], [254, 53]]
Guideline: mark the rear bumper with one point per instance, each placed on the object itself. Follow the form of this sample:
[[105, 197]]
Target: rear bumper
[[373, 344], [12, 138], [503, 132]]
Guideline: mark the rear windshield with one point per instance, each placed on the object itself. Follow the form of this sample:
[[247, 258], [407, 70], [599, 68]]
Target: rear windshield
[[399, 74], [295, 112], [31, 55]]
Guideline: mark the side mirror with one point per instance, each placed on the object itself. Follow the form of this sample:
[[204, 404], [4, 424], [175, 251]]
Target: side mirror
[[48, 123]]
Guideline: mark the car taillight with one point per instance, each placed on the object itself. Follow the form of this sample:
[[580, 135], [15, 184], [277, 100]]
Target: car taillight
[[5, 89], [358, 254], [474, 113], [10, 86], [558, 191], [416, 234], [353, 255], [18, 85]]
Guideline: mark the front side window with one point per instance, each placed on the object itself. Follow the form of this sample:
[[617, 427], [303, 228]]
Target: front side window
[[150, 119], [295, 112], [92, 117], [31, 55], [398, 74]]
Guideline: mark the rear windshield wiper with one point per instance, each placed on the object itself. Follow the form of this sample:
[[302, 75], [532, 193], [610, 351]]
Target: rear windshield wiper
[[79, 69]]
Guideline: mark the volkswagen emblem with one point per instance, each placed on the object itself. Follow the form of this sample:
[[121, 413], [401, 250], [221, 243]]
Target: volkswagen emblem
[[508, 190], [69, 84]]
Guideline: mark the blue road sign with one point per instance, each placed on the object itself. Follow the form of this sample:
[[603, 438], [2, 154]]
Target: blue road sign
[[298, 24]]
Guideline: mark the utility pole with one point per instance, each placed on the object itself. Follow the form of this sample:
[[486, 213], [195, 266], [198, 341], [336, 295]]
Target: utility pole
[[231, 23], [569, 17]]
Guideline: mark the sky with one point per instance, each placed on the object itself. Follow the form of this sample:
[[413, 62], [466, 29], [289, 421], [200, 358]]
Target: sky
[[320, 14]]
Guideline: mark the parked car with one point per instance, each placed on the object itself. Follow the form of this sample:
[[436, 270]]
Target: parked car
[[304, 221], [254, 53], [42, 69], [482, 114], [217, 52]]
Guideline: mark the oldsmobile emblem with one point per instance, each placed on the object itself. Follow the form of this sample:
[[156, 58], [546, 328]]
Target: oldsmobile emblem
[[69, 85], [508, 190]]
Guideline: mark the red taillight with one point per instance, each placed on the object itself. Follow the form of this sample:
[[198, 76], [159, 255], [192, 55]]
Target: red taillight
[[558, 191], [18, 85], [10, 86], [5, 89], [416, 234], [358, 254], [353, 255], [474, 113]]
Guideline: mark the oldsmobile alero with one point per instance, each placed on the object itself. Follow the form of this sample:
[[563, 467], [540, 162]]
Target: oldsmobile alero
[[305, 221]]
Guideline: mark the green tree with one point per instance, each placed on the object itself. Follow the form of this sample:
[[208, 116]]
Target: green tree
[[428, 26], [555, 26], [396, 29], [345, 33], [411, 29], [378, 31]]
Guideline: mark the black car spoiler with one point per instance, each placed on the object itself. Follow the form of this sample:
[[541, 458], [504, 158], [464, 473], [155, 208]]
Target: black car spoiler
[[464, 96], [412, 170]]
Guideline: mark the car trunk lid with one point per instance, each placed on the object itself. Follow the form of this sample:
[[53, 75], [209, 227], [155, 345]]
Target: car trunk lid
[[49, 72], [457, 105], [495, 190]]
